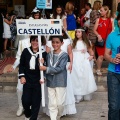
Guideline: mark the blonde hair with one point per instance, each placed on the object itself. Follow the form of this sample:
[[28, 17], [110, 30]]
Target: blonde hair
[[69, 7], [97, 5], [106, 8]]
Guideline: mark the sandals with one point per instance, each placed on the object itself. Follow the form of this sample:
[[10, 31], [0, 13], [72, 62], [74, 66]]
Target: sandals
[[98, 72]]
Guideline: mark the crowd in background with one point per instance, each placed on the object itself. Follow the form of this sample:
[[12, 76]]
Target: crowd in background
[[89, 19]]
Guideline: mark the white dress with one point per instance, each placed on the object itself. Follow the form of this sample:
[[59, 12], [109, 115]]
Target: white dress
[[82, 74], [70, 100], [7, 32]]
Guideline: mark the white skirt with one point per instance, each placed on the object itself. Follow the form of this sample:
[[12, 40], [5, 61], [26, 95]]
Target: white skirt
[[82, 75], [7, 35], [70, 107]]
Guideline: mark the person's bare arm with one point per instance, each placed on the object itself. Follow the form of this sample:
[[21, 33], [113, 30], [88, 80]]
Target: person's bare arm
[[9, 22], [108, 57], [95, 30], [70, 53], [112, 20], [91, 52], [64, 24]]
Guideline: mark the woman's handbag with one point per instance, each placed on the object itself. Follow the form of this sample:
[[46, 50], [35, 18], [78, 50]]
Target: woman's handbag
[[99, 43]]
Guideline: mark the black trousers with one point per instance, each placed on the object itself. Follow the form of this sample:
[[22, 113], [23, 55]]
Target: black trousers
[[31, 97]]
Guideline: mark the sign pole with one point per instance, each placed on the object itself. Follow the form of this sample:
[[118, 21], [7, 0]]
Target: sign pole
[[41, 72]]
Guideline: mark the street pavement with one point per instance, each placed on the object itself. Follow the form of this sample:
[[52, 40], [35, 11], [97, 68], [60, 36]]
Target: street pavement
[[96, 109]]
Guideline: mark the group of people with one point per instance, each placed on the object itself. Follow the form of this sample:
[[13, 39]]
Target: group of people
[[66, 81], [68, 63], [99, 24]]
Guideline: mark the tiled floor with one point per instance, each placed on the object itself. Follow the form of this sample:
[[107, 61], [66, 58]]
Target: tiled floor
[[95, 109]]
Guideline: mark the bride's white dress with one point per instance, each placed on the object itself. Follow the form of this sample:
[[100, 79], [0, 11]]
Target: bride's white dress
[[82, 74], [70, 99]]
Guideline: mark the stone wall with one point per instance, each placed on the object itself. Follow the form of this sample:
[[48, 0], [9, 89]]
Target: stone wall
[[92, 1], [31, 4], [114, 4]]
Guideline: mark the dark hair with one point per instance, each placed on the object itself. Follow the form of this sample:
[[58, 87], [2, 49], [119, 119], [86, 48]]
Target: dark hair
[[118, 17], [55, 12], [13, 12], [84, 38], [88, 4], [33, 13], [43, 40], [33, 38], [118, 7], [59, 37], [5, 13]]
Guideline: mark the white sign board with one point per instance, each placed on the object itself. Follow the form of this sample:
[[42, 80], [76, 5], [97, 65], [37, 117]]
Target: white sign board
[[39, 27], [20, 9]]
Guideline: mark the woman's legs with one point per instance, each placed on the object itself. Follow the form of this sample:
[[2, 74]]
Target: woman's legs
[[5, 43], [99, 64], [93, 48], [11, 45]]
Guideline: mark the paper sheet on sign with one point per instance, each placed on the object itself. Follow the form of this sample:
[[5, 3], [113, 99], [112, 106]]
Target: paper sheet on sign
[[39, 27]]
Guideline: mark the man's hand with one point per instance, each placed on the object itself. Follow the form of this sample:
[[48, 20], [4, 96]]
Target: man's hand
[[23, 80], [42, 81], [43, 68], [41, 60], [118, 56], [116, 60]]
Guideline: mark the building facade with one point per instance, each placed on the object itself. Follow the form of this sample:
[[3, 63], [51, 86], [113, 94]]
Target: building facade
[[30, 4]]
